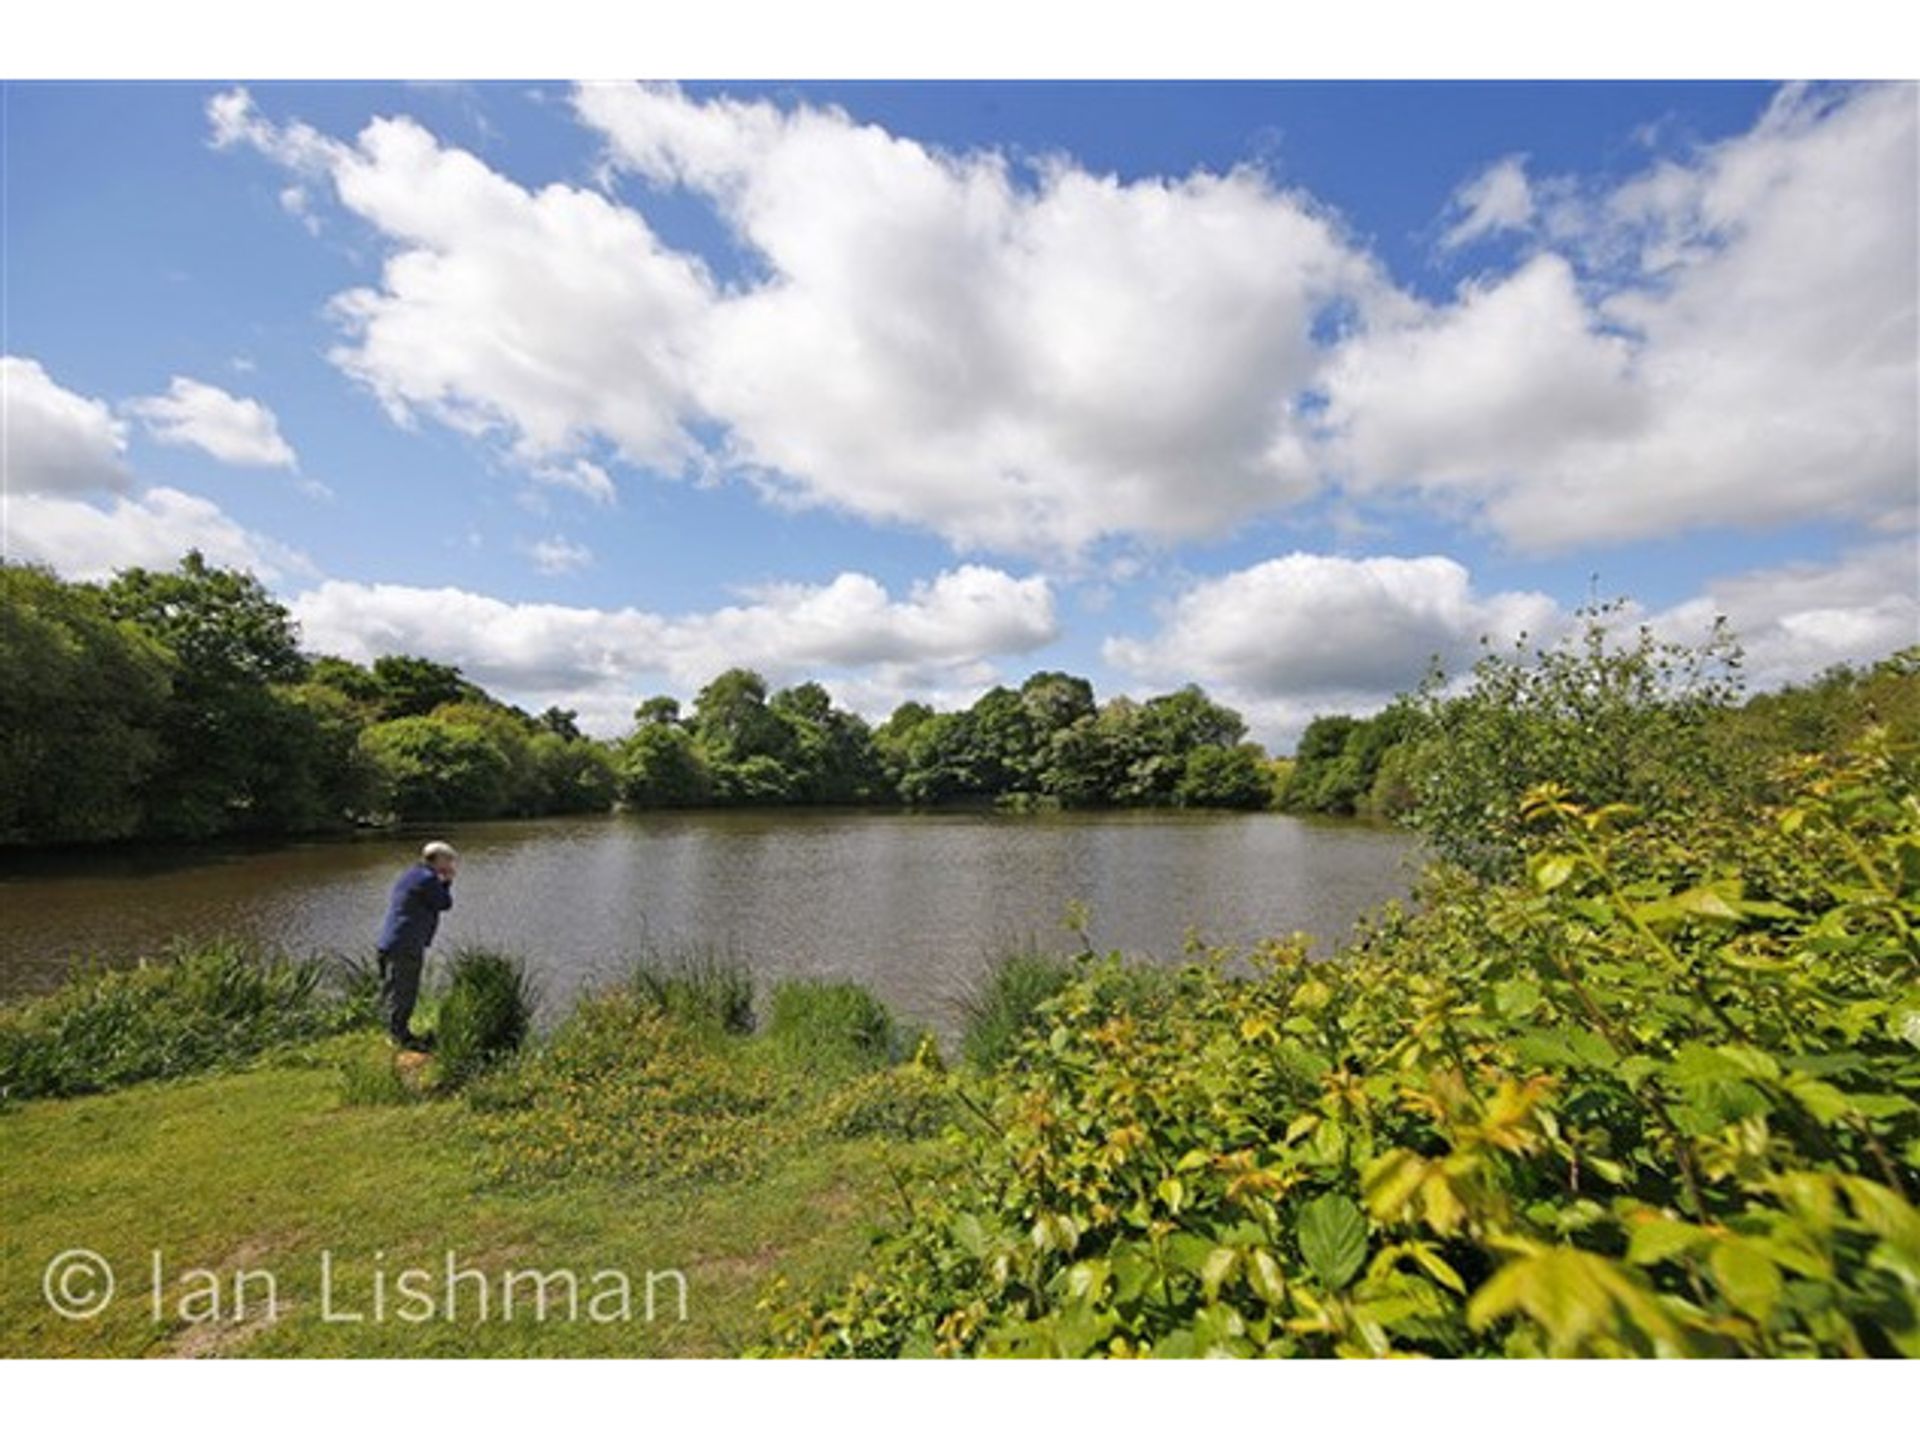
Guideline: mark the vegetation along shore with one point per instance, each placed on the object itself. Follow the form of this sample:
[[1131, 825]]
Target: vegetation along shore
[[1638, 1073]]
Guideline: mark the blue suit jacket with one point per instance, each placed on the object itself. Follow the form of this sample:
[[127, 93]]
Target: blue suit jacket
[[420, 896]]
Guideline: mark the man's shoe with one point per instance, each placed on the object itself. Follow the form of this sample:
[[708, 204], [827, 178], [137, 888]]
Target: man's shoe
[[416, 1043]]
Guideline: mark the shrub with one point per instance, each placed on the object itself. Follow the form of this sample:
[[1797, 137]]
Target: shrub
[[190, 1010], [907, 1101], [1659, 1097], [997, 1010], [485, 1015], [830, 1022], [697, 987]]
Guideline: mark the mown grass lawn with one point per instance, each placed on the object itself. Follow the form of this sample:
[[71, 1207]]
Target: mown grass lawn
[[269, 1168]]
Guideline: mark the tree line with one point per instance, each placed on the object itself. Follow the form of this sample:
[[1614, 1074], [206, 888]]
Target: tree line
[[179, 704]]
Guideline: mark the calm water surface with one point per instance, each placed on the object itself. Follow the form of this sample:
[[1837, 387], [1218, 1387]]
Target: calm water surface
[[912, 905]]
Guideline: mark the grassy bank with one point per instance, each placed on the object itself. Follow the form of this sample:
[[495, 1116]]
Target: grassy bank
[[644, 1135]]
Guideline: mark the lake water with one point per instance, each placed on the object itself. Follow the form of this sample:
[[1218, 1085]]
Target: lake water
[[915, 906]]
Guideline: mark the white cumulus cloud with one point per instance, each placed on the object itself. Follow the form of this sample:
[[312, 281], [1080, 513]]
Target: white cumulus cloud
[[1794, 620], [55, 441], [1308, 633], [155, 528], [1731, 338], [68, 493], [1498, 198], [203, 416], [601, 661]]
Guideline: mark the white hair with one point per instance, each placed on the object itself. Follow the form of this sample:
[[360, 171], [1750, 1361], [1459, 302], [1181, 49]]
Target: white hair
[[439, 849]]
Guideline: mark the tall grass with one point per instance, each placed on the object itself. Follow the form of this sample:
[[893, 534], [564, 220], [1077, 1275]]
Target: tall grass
[[485, 1014], [699, 987], [190, 1009], [830, 1022], [997, 1010]]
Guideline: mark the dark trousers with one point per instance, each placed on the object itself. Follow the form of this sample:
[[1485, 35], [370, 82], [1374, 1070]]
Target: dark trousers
[[400, 988]]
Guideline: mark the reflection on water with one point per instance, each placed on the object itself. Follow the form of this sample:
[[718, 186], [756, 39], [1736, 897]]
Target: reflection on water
[[911, 905]]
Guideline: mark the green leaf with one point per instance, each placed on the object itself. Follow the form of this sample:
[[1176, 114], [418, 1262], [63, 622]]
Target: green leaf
[[1264, 1276], [1218, 1269], [1332, 1233], [1550, 871], [1746, 1276], [1516, 998], [1659, 1239]]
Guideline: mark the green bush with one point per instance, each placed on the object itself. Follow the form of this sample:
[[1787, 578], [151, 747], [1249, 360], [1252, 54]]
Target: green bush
[[700, 988], [485, 1014], [997, 1010], [830, 1022], [190, 1010], [1661, 1096], [908, 1101]]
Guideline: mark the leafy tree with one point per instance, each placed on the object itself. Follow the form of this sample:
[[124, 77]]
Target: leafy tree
[[435, 769], [225, 738], [410, 686], [1615, 720], [658, 767], [563, 722], [732, 723], [1222, 778], [833, 758], [576, 776], [661, 709], [80, 711]]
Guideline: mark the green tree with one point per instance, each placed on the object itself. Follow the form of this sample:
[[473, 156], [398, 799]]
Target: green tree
[[658, 767], [433, 769], [1612, 718], [226, 740], [1222, 778], [80, 712], [410, 686]]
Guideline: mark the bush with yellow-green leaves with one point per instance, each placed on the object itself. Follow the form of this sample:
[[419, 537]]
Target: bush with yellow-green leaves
[[1661, 1097]]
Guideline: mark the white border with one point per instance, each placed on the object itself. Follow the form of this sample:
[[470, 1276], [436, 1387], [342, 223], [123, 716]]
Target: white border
[[794, 39]]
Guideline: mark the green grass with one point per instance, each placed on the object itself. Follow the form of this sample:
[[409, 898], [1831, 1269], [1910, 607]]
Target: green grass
[[215, 1005], [485, 1014], [697, 986], [266, 1169], [831, 1023], [997, 1009]]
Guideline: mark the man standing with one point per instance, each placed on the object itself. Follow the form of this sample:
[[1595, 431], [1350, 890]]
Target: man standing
[[420, 896]]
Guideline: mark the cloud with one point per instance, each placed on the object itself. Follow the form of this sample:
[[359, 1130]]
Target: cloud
[[203, 416], [1309, 633], [1029, 357], [540, 318], [1730, 338], [601, 661], [1794, 620], [154, 529], [63, 450], [559, 555], [581, 476], [1020, 362], [57, 442], [1498, 198]]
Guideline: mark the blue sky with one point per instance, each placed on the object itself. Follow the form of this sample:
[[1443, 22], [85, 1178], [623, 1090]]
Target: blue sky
[[914, 387]]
